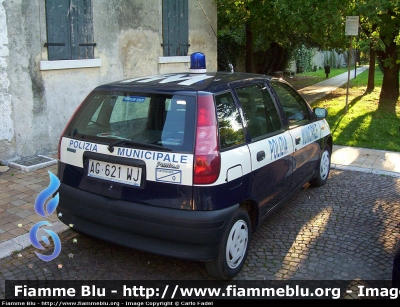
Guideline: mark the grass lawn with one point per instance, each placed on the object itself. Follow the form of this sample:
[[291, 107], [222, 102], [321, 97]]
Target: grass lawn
[[367, 123]]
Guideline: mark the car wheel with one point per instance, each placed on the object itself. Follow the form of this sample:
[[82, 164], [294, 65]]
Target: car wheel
[[233, 249], [324, 168]]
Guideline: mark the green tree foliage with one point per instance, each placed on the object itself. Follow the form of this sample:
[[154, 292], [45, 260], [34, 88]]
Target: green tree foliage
[[304, 56], [279, 27], [269, 31], [380, 24]]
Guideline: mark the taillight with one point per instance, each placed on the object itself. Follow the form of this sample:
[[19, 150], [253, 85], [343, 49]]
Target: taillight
[[207, 160]]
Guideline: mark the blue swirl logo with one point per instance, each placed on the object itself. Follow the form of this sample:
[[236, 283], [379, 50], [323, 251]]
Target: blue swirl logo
[[45, 210]]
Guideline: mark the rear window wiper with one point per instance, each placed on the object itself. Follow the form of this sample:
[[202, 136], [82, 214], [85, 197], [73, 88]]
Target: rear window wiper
[[130, 142], [74, 132]]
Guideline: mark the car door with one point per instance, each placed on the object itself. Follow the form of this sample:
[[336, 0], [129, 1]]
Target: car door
[[303, 131], [269, 145]]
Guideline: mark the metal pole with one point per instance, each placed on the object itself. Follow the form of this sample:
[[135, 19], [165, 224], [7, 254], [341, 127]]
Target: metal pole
[[355, 64], [348, 73]]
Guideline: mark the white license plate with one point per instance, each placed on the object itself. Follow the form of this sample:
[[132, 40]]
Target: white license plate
[[131, 175]]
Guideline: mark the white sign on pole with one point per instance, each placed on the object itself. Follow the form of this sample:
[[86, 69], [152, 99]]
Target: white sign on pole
[[352, 23]]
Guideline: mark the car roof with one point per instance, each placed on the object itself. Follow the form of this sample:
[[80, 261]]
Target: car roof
[[212, 82]]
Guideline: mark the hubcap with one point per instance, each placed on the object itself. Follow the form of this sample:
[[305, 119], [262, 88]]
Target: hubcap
[[325, 165], [237, 244]]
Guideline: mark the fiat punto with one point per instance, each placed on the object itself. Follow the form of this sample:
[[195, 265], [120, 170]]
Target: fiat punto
[[189, 164]]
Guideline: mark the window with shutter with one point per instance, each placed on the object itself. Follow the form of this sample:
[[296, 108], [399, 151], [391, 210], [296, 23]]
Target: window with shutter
[[69, 29], [175, 27]]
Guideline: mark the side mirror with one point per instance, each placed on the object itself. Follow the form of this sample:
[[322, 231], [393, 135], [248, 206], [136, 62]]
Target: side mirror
[[320, 112]]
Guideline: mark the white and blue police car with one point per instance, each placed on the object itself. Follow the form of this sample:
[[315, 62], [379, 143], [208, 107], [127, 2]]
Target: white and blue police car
[[189, 164]]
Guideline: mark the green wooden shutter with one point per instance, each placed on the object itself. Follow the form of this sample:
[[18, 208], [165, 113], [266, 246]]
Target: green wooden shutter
[[82, 30], [175, 27], [69, 29], [58, 29]]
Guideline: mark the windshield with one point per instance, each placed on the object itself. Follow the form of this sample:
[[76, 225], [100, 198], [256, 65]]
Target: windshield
[[163, 120]]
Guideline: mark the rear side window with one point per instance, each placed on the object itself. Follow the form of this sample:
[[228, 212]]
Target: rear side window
[[294, 106], [261, 115], [229, 122], [163, 120]]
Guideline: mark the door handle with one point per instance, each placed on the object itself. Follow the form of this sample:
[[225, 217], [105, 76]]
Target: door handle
[[297, 140], [260, 155]]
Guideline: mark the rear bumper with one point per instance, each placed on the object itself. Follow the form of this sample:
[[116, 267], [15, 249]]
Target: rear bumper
[[187, 234]]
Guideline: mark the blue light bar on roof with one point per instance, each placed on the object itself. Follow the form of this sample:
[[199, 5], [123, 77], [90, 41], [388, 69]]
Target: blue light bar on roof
[[198, 63]]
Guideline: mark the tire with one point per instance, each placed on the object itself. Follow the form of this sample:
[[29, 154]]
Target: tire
[[323, 169], [233, 249]]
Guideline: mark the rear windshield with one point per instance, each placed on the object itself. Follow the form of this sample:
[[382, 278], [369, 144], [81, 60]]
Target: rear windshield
[[163, 120]]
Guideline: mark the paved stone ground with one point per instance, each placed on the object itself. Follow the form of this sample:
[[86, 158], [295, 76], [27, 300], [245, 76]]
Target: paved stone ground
[[18, 191], [345, 230]]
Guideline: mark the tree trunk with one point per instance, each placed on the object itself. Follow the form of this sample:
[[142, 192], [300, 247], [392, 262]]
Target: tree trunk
[[371, 71], [270, 60], [249, 49], [390, 82]]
